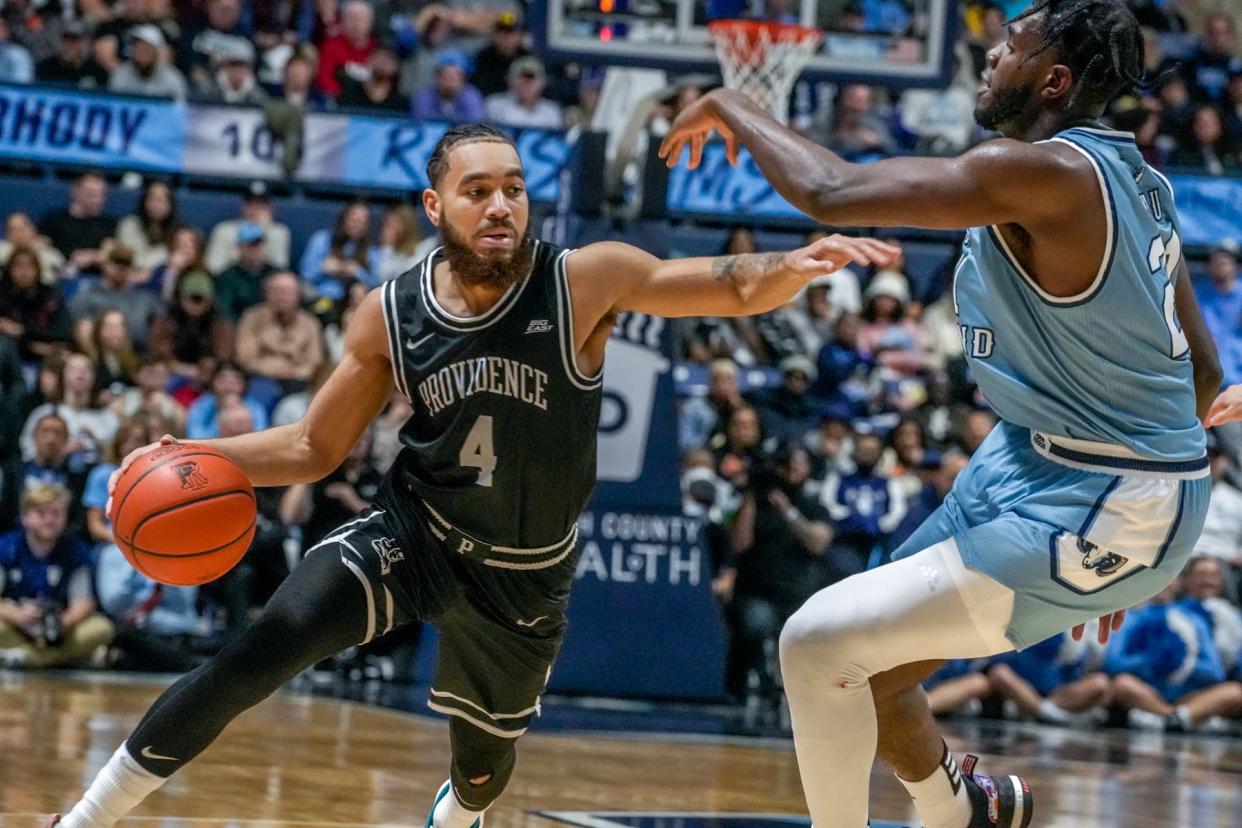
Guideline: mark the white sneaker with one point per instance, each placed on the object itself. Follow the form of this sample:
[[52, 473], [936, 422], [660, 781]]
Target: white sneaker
[[13, 658], [1142, 720]]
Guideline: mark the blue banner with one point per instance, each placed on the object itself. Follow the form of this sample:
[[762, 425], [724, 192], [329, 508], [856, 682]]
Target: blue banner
[[1210, 208], [236, 142], [642, 617], [126, 133], [392, 153]]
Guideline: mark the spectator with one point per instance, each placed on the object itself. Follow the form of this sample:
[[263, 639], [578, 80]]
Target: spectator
[[319, 508], [222, 247], [958, 687], [737, 447], [857, 130], [1207, 147], [332, 258], [151, 400], [280, 344], [888, 335], [704, 417], [975, 429], [48, 386], [1207, 594], [838, 290], [449, 97], [277, 27], [787, 413], [148, 232], [401, 243], [240, 286], [590, 86], [114, 292], [158, 627], [377, 87], [779, 539], [91, 427], [233, 80], [16, 64], [79, 230], [112, 35], [865, 505], [19, 231], [1220, 300], [133, 434], [285, 114], [32, 313], [1057, 680], [941, 418], [1222, 528], [52, 465], [491, 65], [347, 54], [228, 387], [185, 254], [116, 364], [72, 64], [147, 73], [1176, 107], [524, 105], [1210, 69], [35, 25], [207, 37], [840, 361], [47, 612], [192, 330], [936, 473]]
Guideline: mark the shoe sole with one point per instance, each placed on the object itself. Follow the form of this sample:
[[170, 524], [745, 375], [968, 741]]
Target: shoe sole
[[1016, 804]]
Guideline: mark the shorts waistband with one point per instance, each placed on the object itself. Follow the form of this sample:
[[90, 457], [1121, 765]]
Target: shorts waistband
[[1108, 458], [503, 557]]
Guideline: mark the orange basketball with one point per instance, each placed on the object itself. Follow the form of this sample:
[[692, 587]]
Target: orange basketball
[[183, 514]]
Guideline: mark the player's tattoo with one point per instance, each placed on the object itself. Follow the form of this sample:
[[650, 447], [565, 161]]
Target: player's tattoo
[[744, 269]]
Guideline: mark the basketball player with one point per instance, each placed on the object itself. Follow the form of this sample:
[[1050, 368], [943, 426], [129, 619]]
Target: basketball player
[[498, 342], [1081, 329]]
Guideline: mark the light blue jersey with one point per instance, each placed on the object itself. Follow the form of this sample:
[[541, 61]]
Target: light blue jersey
[[1089, 495], [1110, 364]]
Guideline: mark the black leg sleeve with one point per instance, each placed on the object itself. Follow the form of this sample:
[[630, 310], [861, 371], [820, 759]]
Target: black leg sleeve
[[319, 610], [477, 754]]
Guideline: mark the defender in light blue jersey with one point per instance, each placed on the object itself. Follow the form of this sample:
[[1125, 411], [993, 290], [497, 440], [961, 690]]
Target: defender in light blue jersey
[[1082, 331]]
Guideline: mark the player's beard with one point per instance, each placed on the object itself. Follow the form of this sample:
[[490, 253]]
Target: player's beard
[[498, 269], [1009, 108]]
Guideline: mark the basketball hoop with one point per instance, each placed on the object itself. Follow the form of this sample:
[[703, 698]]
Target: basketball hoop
[[762, 60]]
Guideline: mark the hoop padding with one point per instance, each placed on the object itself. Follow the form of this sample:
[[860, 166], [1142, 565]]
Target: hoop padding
[[762, 60]]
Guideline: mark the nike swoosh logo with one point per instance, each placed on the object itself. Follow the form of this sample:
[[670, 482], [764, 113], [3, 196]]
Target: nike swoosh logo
[[412, 345], [146, 752], [531, 623]]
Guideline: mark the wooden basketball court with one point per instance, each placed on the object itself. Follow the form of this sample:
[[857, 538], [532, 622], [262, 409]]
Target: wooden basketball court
[[306, 761]]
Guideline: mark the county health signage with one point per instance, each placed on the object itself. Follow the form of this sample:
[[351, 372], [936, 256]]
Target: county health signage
[[1210, 208], [115, 132]]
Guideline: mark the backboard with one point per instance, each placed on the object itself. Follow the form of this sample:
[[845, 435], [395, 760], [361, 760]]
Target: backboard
[[895, 43]]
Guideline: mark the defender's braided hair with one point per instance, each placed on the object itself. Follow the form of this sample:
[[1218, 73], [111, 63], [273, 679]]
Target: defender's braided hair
[[1099, 40]]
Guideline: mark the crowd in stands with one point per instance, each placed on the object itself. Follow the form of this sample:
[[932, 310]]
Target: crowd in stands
[[117, 329]]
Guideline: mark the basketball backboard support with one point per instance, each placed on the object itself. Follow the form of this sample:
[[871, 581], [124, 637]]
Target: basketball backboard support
[[893, 43]]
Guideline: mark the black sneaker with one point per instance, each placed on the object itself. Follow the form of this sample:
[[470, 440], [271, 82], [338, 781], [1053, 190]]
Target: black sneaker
[[997, 801]]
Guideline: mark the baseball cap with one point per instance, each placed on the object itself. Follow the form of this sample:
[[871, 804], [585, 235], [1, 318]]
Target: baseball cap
[[249, 233], [454, 58], [197, 283], [148, 33], [508, 21], [528, 65], [72, 28], [1226, 246], [234, 50], [799, 364], [257, 191]]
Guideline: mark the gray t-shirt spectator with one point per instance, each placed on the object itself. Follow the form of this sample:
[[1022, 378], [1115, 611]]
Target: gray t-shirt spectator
[[137, 305]]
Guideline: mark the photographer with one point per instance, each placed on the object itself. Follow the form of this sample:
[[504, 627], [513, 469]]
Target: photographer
[[47, 609], [779, 539]]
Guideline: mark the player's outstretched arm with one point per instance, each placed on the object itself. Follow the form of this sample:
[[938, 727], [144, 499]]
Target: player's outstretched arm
[[1227, 407], [307, 450], [620, 277], [999, 182], [1203, 357]]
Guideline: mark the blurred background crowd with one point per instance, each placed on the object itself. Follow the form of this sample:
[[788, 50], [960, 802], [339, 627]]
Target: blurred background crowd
[[814, 438]]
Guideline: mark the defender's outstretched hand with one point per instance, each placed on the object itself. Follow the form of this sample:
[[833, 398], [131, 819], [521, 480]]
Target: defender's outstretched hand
[[1226, 409], [694, 126], [834, 252]]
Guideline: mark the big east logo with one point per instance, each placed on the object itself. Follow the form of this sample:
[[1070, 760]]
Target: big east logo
[[191, 477]]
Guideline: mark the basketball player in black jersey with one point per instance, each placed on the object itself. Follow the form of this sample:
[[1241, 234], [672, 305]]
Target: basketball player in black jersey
[[497, 340]]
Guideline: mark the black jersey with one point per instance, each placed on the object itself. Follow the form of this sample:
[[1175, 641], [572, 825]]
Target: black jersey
[[502, 440]]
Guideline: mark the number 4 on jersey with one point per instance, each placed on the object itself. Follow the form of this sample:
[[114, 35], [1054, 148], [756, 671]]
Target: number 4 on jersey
[[477, 451]]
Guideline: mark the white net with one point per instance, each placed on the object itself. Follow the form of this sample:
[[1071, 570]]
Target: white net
[[762, 60]]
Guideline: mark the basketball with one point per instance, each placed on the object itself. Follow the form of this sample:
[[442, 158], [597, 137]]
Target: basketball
[[183, 514]]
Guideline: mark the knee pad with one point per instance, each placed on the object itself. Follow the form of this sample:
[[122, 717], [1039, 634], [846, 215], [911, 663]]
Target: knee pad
[[477, 754], [825, 640]]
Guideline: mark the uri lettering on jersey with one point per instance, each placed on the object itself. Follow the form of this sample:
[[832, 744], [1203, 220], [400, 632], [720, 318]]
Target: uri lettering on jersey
[[484, 375]]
